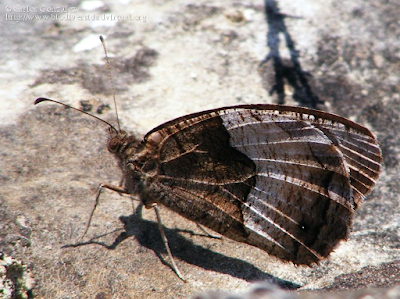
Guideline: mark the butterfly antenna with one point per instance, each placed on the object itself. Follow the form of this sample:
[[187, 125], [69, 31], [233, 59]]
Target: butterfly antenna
[[39, 100], [111, 80]]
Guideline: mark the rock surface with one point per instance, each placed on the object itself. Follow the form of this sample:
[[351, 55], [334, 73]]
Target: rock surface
[[171, 58]]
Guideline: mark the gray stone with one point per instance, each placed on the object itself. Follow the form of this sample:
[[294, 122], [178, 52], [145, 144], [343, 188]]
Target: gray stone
[[185, 57]]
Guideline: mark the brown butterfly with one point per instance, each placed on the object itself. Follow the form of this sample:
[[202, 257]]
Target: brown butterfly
[[284, 179]]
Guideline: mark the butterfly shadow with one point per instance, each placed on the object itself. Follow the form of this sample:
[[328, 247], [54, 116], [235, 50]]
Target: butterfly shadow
[[286, 70], [148, 235]]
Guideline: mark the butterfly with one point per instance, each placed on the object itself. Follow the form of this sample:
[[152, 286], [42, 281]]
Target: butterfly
[[284, 179]]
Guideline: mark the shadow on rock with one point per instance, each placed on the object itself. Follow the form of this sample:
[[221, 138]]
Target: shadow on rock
[[148, 235]]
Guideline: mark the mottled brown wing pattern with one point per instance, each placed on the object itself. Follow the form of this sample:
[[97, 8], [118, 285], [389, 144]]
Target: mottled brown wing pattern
[[284, 179], [361, 153], [302, 199], [201, 176], [357, 144]]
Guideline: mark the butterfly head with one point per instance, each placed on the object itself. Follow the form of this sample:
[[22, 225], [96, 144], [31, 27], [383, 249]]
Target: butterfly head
[[116, 140], [121, 144]]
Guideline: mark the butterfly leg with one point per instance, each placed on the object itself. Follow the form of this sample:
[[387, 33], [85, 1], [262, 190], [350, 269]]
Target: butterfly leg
[[96, 202], [210, 235], [165, 240]]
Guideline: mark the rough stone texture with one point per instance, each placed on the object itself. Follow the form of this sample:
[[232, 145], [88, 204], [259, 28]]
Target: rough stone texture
[[188, 56]]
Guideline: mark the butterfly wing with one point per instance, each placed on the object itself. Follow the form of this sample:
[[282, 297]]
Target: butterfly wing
[[284, 179]]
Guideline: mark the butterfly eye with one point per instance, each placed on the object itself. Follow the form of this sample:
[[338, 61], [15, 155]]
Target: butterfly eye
[[114, 144]]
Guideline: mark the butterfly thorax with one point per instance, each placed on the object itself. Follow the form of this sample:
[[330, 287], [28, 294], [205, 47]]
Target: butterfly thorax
[[137, 161]]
